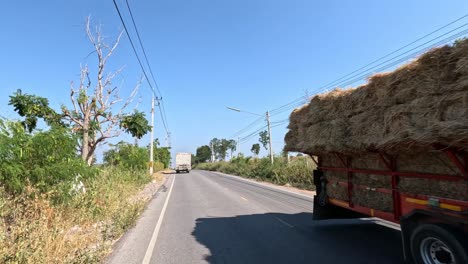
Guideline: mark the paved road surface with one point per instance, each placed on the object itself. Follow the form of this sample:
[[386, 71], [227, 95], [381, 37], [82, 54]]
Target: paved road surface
[[211, 218]]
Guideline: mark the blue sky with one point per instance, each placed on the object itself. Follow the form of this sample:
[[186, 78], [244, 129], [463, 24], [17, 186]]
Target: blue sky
[[254, 55]]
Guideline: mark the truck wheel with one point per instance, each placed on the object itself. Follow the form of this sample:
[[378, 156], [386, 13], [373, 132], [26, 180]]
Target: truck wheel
[[177, 171], [434, 244]]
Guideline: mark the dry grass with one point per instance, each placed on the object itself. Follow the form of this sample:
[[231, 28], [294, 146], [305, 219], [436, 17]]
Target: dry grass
[[82, 231]]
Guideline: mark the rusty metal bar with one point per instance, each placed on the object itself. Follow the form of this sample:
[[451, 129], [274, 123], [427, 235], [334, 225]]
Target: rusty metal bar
[[453, 157]]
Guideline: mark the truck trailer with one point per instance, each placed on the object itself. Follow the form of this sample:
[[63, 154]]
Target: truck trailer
[[434, 228], [396, 148], [183, 162]]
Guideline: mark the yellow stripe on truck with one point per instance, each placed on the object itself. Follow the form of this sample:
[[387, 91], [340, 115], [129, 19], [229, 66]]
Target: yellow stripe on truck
[[451, 207], [417, 201], [442, 205], [338, 202]]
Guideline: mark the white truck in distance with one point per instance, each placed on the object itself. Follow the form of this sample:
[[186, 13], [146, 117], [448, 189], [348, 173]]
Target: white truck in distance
[[183, 162]]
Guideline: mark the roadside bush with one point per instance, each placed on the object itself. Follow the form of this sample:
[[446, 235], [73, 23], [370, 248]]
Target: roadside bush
[[158, 166], [47, 160], [127, 155], [297, 173]]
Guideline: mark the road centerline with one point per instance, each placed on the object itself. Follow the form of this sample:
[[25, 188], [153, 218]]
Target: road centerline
[[284, 222]]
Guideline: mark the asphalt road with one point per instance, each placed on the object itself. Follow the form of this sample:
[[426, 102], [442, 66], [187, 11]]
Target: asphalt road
[[213, 218]]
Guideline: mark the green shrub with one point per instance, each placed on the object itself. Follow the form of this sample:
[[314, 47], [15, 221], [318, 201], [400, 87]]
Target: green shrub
[[46, 159], [127, 155], [158, 166]]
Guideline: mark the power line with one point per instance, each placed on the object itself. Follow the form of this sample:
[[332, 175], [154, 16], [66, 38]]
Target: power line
[[301, 100], [163, 114], [399, 49], [142, 47], [244, 139], [134, 49], [283, 121], [255, 122], [162, 118], [415, 53], [251, 135], [450, 38], [368, 72]]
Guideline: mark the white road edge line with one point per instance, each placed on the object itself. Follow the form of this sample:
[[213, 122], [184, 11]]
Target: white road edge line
[[152, 243], [284, 222]]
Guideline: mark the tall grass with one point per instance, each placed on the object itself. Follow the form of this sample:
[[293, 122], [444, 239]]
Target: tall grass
[[297, 173], [35, 230]]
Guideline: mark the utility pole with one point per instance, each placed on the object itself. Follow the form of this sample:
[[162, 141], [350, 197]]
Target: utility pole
[[212, 153], [170, 147], [152, 137], [269, 135], [238, 146]]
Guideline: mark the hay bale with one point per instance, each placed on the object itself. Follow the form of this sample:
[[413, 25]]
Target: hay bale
[[373, 180], [432, 162], [402, 112], [445, 189], [337, 191], [421, 103], [336, 176], [373, 199]]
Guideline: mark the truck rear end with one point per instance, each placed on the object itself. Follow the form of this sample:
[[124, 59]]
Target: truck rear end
[[396, 148], [432, 208], [183, 162]]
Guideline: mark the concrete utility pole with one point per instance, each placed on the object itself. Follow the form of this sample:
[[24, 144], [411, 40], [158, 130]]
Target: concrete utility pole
[[212, 153], [169, 145], [269, 135], [238, 146], [152, 137]]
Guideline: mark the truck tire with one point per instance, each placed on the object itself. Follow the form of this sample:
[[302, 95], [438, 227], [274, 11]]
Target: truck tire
[[434, 244], [177, 171]]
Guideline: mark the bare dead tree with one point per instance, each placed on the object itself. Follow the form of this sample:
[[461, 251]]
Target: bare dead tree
[[93, 115]]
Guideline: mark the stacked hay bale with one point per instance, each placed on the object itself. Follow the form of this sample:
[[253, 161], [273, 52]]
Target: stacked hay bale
[[404, 113]]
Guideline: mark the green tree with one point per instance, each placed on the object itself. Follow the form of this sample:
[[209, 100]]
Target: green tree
[[203, 154], [32, 108], [264, 139], [223, 148], [127, 156], [232, 145], [220, 147], [255, 149], [161, 154], [215, 144]]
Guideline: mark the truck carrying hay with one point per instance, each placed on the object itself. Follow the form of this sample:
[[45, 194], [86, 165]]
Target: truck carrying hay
[[409, 116]]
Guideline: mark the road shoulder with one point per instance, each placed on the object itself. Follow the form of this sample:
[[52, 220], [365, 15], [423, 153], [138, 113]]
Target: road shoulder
[[132, 246]]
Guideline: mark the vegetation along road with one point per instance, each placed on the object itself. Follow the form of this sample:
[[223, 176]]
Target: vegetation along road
[[208, 217]]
